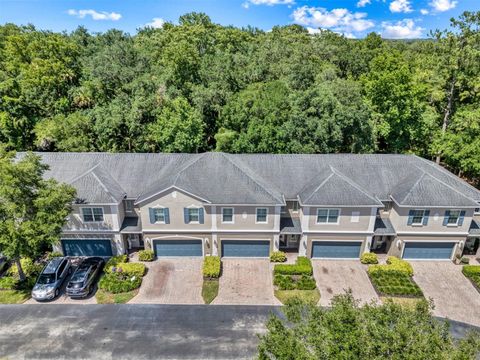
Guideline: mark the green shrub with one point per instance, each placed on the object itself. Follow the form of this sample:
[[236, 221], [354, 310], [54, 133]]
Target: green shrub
[[393, 263], [394, 283], [53, 254], [29, 267], [8, 283], [119, 282], [306, 283], [284, 282], [114, 260], [464, 260], [278, 256], [302, 266], [211, 267], [369, 258], [129, 269], [471, 270], [146, 255]]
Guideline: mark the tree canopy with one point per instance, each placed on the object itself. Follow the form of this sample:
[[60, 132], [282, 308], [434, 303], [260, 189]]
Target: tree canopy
[[198, 86]]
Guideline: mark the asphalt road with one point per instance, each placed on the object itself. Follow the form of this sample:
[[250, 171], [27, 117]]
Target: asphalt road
[[135, 331]]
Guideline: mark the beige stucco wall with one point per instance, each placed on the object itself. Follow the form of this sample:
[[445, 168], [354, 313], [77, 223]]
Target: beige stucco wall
[[345, 223], [205, 237], [313, 237], [244, 218], [399, 219], [75, 220], [246, 236], [288, 210]]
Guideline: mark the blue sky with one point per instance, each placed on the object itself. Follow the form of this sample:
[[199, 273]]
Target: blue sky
[[353, 18]]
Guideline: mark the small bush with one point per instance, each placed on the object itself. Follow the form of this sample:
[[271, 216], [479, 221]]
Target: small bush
[[29, 267], [118, 283], [53, 254], [278, 256], [284, 282], [115, 260], [464, 260], [303, 266], [393, 263], [8, 283], [211, 267], [306, 283], [369, 258], [146, 255], [129, 269]]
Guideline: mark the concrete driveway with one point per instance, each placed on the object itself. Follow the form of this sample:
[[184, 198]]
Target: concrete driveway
[[453, 294], [336, 276], [172, 281], [246, 282]]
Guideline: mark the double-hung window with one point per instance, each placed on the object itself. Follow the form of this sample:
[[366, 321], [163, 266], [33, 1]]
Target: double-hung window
[[261, 215], [453, 218], [327, 216], [92, 214], [193, 215], [227, 215], [417, 217], [159, 215]]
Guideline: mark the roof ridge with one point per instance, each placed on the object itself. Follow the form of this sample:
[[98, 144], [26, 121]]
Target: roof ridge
[[351, 182], [186, 166], [103, 186], [84, 173], [102, 169], [319, 186], [243, 168], [414, 185]]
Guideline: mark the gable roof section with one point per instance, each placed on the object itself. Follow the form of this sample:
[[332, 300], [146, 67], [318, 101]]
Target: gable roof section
[[338, 190], [426, 190]]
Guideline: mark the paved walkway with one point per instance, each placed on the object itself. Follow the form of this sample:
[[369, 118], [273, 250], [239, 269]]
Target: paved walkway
[[172, 281], [334, 277], [246, 282], [453, 294]]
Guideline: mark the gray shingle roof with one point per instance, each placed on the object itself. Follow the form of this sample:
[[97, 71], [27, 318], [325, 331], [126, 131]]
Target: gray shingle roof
[[289, 225], [131, 225], [474, 228], [384, 227], [262, 178]]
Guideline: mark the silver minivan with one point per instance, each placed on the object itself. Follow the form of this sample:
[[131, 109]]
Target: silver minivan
[[51, 279]]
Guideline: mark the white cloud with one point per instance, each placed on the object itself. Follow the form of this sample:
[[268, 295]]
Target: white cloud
[[247, 3], [443, 5], [404, 29], [338, 20], [424, 11], [313, 31], [156, 23], [399, 6], [363, 3], [96, 15]]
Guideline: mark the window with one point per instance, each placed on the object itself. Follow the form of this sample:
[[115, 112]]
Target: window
[[159, 215], [417, 217], [193, 215], [92, 214], [129, 205], [355, 217], [227, 215], [327, 216], [295, 207], [261, 215], [453, 217], [477, 211]]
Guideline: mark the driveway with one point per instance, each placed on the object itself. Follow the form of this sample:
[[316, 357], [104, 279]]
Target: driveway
[[246, 282], [453, 294], [336, 276], [172, 281]]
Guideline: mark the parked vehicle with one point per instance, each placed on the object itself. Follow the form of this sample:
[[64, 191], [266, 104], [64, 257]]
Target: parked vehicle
[[83, 279], [51, 279]]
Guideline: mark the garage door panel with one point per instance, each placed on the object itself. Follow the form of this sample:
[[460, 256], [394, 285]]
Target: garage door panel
[[173, 248], [428, 250], [336, 249], [87, 247], [245, 248]]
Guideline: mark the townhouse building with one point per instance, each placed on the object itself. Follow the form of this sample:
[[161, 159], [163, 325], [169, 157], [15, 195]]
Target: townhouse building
[[239, 205]]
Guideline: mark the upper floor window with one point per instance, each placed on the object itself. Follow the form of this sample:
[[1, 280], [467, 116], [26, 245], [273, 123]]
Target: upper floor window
[[261, 216], [453, 218], [193, 215], [159, 215], [92, 214], [477, 211], [418, 217], [227, 215], [129, 205], [327, 216]]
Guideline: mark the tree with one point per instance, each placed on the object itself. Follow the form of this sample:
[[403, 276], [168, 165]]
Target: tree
[[32, 210], [348, 331]]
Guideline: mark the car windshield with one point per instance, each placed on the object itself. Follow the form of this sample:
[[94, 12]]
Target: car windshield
[[46, 279], [79, 276]]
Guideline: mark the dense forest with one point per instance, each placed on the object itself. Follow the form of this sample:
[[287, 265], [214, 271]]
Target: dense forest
[[197, 86]]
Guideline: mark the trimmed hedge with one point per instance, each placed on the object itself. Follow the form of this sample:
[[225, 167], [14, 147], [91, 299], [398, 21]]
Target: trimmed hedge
[[278, 256], [473, 273], [369, 258], [289, 282], [395, 283], [114, 260], [212, 267], [146, 255], [393, 263], [116, 283], [303, 266], [129, 269]]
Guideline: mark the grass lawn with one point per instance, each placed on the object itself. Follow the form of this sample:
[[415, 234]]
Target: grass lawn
[[104, 297], [472, 272], [14, 296], [395, 283], [312, 296], [408, 302], [210, 290]]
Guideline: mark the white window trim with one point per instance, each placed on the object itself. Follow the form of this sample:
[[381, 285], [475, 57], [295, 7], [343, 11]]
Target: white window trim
[[423, 217], [160, 207], [458, 218], [194, 207], [256, 217], [328, 215], [233, 215], [93, 221]]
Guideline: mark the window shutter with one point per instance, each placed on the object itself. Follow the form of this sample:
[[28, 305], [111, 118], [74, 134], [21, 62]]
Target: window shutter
[[410, 217], [185, 216], [200, 216], [425, 217], [446, 218], [166, 213], [152, 215], [460, 219]]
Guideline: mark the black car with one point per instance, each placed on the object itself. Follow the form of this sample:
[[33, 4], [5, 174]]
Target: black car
[[83, 279]]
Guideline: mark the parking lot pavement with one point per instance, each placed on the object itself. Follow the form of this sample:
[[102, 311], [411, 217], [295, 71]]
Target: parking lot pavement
[[172, 281], [246, 282], [453, 294], [334, 277]]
